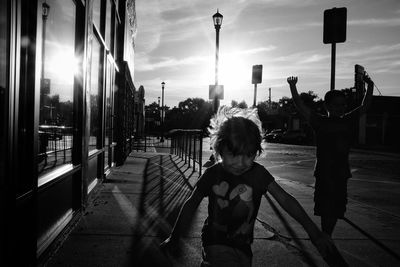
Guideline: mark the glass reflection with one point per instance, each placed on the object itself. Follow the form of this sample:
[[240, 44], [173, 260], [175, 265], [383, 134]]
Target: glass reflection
[[58, 68], [96, 13], [94, 93], [4, 25], [108, 33], [108, 117]]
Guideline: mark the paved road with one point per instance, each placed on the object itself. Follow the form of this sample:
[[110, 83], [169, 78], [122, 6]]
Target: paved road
[[375, 181], [370, 235]]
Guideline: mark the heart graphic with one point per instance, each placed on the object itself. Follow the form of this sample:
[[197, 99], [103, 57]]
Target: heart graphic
[[222, 203], [221, 189], [245, 192]]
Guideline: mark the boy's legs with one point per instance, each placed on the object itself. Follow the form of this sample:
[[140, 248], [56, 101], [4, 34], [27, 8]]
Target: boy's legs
[[328, 223], [220, 255], [330, 198]]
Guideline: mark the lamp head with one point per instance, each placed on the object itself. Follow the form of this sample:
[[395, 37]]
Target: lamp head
[[217, 18], [45, 9]]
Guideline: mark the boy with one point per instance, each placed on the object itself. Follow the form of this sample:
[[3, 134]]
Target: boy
[[234, 187], [334, 134]]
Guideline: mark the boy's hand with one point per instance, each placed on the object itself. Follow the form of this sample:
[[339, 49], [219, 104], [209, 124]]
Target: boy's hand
[[292, 80], [367, 79], [170, 246]]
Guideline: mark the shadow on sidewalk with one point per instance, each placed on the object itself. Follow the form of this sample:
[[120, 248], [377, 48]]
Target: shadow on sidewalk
[[164, 190]]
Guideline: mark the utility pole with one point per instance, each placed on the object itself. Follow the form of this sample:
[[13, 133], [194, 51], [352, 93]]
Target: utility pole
[[269, 97]]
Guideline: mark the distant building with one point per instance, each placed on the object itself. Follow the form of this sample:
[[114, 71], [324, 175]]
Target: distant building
[[379, 127]]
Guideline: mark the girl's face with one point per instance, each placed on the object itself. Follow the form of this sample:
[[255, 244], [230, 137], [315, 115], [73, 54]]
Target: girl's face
[[236, 164]]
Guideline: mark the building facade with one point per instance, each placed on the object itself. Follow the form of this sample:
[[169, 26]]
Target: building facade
[[67, 113]]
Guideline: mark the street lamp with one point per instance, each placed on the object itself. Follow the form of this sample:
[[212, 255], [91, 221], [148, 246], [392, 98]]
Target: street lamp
[[45, 14], [162, 112], [217, 19]]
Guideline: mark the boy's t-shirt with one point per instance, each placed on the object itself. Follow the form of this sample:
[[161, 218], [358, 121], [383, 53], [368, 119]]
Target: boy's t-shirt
[[334, 136], [233, 203]]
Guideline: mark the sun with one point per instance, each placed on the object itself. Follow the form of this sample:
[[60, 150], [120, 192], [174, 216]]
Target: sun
[[63, 66], [234, 74]]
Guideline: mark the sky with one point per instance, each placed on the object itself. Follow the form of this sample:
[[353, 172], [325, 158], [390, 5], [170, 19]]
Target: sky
[[176, 43]]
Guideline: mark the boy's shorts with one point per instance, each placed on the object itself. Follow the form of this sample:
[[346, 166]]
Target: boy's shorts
[[224, 256], [330, 196]]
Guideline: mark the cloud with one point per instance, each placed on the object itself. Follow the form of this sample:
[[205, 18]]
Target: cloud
[[390, 22], [374, 50], [143, 63]]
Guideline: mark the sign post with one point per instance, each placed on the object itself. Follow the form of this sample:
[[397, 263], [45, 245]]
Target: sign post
[[335, 21], [216, 93], [256, 79]]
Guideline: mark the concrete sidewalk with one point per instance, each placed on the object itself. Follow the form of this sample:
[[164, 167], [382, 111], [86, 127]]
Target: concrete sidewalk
[[134, 210]]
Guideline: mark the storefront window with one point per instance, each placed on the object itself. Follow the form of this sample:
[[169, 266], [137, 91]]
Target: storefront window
[[108, 32], [58, 67], [108, 118], [95, 90], [3, 82], [96, 13]]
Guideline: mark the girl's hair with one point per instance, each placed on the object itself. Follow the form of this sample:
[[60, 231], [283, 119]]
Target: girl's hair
[[238, 130]]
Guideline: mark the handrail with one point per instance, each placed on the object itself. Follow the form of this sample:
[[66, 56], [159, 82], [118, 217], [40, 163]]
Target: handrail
[[188, 145], [185, 143]]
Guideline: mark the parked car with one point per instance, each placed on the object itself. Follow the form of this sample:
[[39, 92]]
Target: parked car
[[274, 135], [293, 137]]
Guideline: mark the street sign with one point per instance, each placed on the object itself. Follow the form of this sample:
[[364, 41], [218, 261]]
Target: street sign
[[335, 21], [257, 74], [216, 91]]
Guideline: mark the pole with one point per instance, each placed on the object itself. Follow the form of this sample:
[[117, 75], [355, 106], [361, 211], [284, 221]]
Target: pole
[[162, 113], [255, 95], [269, 97], [216, 100], [333, 66], [43, 44]]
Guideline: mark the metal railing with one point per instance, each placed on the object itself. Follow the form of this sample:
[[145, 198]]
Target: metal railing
[[55, 146], [188, 145], [185, 143]]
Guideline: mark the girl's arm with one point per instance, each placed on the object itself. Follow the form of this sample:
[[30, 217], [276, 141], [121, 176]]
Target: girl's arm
[[184, 218], [321, 241]]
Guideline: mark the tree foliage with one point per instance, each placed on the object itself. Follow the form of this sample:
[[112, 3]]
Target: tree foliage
[[195, 113]]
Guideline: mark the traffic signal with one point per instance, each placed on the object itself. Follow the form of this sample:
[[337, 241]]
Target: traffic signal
[[335, 21]]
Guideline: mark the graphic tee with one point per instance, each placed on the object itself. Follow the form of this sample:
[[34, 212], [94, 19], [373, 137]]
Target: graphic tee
[[233, 203]]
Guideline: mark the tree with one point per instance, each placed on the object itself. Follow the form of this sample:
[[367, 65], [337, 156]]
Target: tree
[[192, 113], [235, 104]]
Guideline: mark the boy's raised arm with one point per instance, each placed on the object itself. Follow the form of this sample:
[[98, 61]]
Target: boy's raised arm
[[303, 109], [368, 94]]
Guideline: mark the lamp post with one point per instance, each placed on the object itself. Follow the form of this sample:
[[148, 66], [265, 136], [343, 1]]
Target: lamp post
[[162, 112], [159, 118], [217, 19], [45, 14]]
